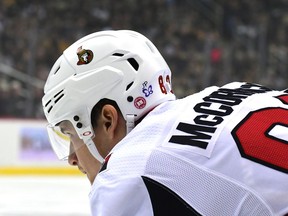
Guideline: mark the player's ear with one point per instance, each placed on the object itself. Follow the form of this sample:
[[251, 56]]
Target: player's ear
[[109, 117]]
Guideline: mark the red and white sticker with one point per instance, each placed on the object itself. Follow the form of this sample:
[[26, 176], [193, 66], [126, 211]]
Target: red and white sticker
[[87, 133], [140, 102]]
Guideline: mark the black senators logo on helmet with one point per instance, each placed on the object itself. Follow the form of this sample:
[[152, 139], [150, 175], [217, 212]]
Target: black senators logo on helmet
[[84, 56]]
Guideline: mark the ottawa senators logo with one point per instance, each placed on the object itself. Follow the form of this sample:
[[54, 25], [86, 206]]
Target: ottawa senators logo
[[84, 56]]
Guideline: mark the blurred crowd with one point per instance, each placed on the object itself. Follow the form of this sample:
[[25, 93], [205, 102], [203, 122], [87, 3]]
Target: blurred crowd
[[205, 42]]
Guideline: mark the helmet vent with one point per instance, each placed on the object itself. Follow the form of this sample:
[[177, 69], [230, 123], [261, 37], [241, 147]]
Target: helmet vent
[[50, 108], [133, 63], [57, 97], [47, 103], [129, 85], [60, 96], [57, 70], [118, 54]]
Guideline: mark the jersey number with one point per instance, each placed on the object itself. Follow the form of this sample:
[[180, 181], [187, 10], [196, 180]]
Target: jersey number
[[268, 144]]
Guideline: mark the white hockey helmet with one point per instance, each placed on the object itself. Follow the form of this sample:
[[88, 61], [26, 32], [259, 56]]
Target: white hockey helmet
[[123, 66]]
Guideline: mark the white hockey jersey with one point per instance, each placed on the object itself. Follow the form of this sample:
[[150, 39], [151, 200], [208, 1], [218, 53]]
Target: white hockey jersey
[[222, 151]]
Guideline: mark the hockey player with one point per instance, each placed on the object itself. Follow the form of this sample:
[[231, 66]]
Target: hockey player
[[223, 151]]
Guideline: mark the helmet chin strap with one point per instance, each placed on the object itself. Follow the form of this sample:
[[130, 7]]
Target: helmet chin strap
[[93, 150], [130, 123]]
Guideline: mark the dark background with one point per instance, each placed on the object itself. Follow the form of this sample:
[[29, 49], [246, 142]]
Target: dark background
[[204, 42]]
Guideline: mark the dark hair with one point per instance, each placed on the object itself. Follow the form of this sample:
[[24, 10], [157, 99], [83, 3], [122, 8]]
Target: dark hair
[[96, 111]]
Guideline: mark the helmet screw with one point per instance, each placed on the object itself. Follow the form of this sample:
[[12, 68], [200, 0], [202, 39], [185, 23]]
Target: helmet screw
[[129, 98], [76, 118], [79, 125]]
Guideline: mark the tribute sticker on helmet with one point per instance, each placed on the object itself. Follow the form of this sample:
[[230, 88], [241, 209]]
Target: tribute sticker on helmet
[[147, 90], [140, 102], [84, 56]]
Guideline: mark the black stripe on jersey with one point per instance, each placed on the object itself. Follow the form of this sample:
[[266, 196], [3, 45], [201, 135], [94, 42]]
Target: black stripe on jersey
[[104, 164], [165, 201], [103, 167]]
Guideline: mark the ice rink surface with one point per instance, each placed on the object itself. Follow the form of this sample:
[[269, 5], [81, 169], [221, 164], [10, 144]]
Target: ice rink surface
[[44, 196]]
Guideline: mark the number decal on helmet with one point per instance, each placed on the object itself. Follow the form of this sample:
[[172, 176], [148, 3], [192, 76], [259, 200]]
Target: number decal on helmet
[[161, 84], [164, 86]]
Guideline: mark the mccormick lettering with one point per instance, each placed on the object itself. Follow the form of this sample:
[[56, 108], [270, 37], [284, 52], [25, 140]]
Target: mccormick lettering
[[212, 112]]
